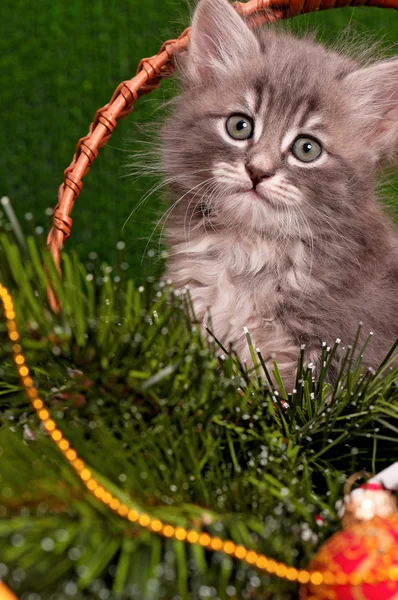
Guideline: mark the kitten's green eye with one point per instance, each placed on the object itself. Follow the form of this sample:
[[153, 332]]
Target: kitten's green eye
[[306, 149], [239, 127]]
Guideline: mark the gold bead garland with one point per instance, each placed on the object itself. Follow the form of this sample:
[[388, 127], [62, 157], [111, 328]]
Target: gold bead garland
[[191, 536], [6, 593]]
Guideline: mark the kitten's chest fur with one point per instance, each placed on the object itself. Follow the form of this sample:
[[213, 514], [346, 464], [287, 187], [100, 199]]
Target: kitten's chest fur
[[241, 282]]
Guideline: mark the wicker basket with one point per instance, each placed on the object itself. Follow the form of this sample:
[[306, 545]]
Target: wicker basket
[[149, 75]]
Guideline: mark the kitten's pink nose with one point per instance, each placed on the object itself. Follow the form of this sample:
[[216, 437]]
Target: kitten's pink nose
[[257, 174]]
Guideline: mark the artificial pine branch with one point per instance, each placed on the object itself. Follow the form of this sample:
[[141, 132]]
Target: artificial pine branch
[[190, 437]]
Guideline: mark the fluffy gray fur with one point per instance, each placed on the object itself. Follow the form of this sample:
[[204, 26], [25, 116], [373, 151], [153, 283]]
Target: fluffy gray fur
[[303, 252]]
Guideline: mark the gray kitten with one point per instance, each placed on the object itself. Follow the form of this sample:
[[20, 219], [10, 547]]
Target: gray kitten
[[271, 154]]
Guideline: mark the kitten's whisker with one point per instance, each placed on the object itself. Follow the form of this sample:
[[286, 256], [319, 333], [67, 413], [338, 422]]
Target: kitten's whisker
[[207, 184], [165, 217], [156, 187], [217, 187], [153, 189], [311, 249], [168, 212], [213, 188]]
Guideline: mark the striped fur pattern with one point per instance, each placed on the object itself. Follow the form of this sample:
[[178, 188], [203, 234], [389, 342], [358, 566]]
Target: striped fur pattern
[[305, 253]]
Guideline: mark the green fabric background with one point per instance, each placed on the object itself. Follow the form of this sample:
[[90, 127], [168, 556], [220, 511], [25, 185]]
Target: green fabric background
[[60, 61]]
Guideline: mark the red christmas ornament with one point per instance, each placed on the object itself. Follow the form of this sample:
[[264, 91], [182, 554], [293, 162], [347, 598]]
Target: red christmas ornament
[[361, 561]]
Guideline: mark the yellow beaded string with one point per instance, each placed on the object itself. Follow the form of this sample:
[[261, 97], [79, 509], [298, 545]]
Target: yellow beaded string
[[262, 562], [6, 593]]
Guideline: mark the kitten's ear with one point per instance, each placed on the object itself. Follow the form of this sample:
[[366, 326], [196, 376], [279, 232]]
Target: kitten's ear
[[375, 92], [220, 40]]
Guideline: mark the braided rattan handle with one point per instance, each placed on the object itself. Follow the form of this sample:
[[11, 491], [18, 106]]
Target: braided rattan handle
[[149, 73]]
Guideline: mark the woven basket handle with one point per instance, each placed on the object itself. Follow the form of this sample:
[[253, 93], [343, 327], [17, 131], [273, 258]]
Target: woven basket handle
[[149, 74]]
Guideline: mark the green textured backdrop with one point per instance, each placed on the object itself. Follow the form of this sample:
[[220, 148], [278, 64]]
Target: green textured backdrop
[[59, 62]]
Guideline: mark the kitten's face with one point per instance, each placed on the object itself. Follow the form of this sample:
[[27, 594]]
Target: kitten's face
[[271, 137]]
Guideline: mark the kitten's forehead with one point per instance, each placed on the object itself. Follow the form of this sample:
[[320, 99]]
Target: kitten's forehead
[[295, 78]]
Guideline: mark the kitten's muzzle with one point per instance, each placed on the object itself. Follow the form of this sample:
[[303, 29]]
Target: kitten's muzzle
[[257, 175]]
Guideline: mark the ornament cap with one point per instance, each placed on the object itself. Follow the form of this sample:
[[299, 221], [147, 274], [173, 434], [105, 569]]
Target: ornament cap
[[366, 502]]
